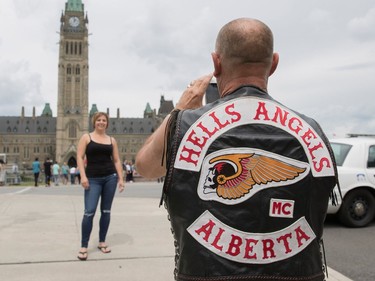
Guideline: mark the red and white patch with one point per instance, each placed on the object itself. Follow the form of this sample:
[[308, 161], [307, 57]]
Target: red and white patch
[[234, 175], [251, 248], [251, 110], [281, 208]]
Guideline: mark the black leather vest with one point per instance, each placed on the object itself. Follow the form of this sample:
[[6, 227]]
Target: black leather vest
[[247, 189]]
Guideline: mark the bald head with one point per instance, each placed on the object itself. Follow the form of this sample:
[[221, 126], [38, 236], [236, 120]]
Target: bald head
[[245, 41]]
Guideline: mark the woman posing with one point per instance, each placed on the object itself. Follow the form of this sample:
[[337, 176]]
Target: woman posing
[[101, 172]]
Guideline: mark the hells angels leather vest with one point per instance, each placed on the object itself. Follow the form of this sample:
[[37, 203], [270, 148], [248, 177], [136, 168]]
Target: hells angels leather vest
[[247, 189]]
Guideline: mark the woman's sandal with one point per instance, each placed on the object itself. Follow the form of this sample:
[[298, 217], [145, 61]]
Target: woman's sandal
[[82, 256], [104, 249]]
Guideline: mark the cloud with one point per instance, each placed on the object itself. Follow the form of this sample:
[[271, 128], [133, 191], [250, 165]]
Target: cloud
[[319, 17], [365, 65], [19, 87], [363, 27]]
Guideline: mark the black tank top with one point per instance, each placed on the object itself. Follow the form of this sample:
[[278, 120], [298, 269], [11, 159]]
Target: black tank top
[[99, 159]]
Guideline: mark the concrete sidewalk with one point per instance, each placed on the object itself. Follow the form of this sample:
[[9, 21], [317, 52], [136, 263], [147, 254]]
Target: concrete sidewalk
[[39, 240]]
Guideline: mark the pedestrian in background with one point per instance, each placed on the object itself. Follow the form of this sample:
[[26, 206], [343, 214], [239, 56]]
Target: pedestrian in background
[[65, 173], [129, 171], [36, 170], [72, 172], [2, 172], [47, 165], [56, 173]]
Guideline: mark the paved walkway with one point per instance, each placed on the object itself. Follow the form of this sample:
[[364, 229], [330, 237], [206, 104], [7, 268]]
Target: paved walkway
[[39, 240]]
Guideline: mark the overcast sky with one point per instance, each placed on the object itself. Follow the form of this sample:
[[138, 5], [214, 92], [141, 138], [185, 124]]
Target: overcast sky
[[140, 50]]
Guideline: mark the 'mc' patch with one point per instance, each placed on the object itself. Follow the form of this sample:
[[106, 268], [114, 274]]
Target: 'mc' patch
[[251, 248], [281, 208]]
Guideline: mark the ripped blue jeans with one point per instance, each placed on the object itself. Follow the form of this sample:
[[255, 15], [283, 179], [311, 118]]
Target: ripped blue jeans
[[103, 188]]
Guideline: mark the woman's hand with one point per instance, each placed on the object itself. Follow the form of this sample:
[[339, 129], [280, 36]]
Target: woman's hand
[[121, 186], [84, 182]]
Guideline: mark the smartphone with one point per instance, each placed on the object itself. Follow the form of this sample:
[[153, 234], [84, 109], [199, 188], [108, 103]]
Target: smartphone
[[212, 92]]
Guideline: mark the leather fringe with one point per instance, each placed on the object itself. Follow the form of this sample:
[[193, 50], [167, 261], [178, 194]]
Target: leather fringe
[[170, 130]]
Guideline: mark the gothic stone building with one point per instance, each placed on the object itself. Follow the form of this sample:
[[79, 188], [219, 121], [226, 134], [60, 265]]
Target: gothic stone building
[[23, 138]]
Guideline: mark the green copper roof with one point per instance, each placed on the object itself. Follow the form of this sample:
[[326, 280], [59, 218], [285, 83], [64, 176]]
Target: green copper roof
[[74, 5], [93, 110], [148, 108], [47, 110]]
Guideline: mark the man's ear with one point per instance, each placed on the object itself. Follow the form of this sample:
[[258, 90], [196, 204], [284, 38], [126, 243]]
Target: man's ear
[[217, 64], [275, 62]]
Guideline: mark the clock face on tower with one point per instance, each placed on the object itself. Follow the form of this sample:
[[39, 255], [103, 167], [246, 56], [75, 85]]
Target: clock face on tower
[[74, 21]]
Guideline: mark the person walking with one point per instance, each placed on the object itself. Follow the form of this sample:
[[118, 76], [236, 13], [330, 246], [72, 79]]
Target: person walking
[[101, 172], [56, 173], [129, 171], [2, 172], [36, 170], [72, 172], [65, 173], [47, 165], [247, 179]]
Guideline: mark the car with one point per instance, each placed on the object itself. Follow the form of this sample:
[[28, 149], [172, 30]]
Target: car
[[355, 159]]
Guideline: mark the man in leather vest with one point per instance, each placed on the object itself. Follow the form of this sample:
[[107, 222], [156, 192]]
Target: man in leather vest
[[247, 179]]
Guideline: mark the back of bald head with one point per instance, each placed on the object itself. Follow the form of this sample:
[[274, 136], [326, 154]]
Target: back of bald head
[[245, 41]]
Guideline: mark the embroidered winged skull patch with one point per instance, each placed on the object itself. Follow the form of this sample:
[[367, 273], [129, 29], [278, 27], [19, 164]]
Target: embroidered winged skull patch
[[234, 175]]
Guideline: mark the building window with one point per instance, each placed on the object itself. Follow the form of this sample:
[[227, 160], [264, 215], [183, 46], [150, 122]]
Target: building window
[[72, 130], [26, 153], [66, 48], [78, 71]]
